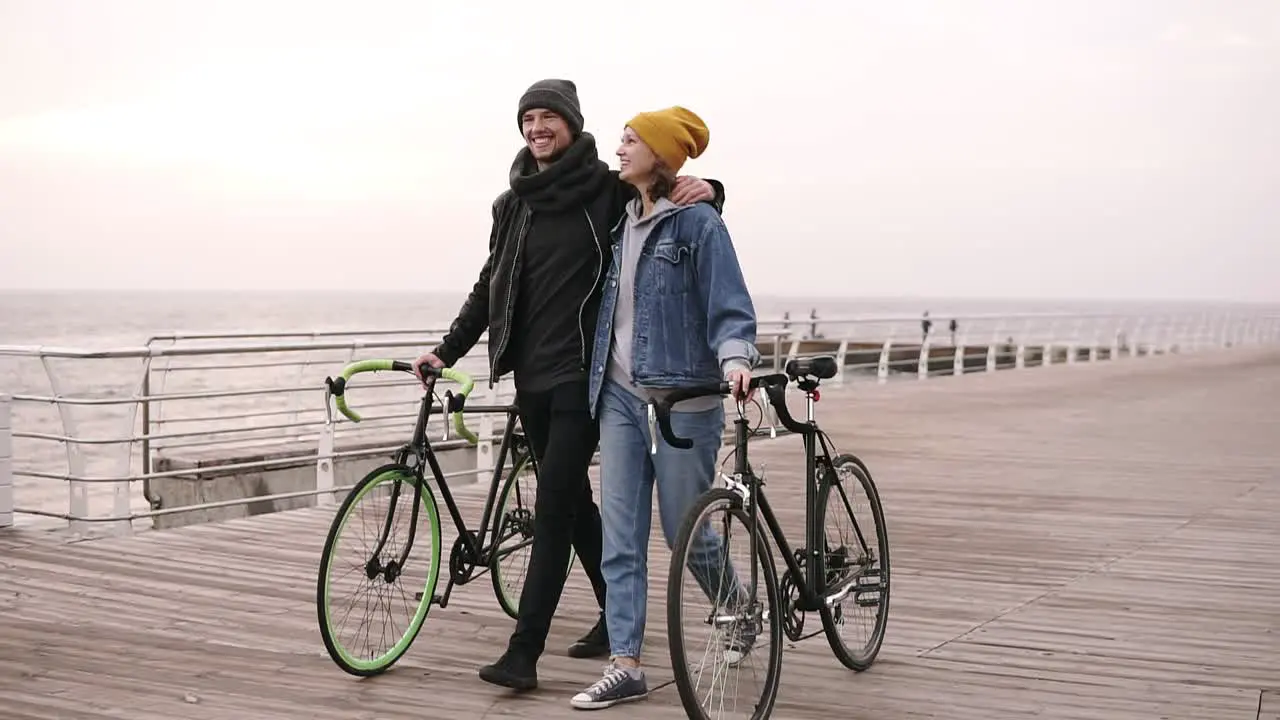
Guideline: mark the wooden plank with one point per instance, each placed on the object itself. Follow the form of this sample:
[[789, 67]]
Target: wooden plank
[[1269, 705], [1070, 542]]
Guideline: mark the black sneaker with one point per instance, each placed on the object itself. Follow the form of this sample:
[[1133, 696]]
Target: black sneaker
[[512, 670], [619, 685], [594, 644]]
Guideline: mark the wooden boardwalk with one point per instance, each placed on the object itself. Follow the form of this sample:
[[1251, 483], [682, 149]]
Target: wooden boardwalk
[[1092, 542]]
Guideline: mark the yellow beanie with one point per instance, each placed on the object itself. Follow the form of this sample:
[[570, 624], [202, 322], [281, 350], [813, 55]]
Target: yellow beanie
[[674, 134]]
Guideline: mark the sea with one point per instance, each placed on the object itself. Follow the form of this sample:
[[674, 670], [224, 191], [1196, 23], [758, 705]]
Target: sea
[[212, 400], [104, 319]]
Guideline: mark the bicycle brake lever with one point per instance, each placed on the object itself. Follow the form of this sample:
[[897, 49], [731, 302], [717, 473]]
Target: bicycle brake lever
[[448, 400], [653, 428], [771, 415]]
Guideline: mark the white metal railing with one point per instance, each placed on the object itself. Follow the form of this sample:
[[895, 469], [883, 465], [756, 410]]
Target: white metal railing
[[170, 428], [6, 461]]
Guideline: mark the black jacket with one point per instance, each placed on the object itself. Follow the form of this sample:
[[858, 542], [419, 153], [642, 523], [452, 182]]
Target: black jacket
[[489, 305]]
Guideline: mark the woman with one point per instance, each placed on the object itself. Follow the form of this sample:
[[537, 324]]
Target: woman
[[675, 313]]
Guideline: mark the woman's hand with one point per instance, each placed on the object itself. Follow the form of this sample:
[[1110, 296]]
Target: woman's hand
[[740, 384]]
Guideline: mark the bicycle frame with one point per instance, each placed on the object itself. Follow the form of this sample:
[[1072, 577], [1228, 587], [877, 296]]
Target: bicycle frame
[[423, 454], [811, 584]]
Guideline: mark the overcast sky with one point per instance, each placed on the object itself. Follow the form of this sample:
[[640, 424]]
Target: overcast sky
[[1046, 148]]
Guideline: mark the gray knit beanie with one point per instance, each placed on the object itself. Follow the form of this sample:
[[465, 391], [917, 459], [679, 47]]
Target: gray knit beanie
[[559, 96]]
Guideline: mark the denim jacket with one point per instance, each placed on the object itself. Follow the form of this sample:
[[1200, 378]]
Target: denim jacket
[[692, 308]]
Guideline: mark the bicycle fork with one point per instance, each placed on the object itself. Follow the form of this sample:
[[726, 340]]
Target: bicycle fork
[[392, 569]]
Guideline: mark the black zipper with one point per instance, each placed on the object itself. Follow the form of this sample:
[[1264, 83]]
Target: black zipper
[[582, 335], [515, 262]]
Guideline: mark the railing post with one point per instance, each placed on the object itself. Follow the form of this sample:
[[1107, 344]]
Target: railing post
[[957, 360], [922, 364], [146, 423], [484, 428], [882, 370], [842, 354], [993, 347], [325, 463], [6, 462], [77, 488]]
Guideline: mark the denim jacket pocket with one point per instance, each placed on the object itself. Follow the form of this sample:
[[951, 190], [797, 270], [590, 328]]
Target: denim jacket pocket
[[673, 271]]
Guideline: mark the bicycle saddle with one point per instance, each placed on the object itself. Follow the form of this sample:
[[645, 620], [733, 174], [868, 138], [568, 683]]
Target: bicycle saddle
[[822, 367]]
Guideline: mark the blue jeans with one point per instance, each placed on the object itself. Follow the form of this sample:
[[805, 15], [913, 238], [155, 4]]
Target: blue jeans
[[627, 475]]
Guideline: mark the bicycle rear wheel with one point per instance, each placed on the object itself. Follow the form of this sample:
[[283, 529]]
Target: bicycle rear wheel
[[733, 603], [513, 537], [856, 563], [381, 504]]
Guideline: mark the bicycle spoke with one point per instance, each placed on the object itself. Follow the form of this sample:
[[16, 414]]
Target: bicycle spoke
[[372, 577], [856, 619], [725, 635]]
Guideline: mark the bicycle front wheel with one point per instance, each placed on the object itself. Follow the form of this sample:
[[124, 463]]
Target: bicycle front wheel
[[856, 563], [724, 624], [366, 581]]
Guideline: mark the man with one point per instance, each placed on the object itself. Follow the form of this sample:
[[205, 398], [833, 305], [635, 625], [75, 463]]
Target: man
[[537, 295]]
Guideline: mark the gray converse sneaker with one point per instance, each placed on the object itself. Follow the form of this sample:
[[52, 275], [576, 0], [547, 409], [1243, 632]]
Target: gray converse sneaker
[[619, 685]]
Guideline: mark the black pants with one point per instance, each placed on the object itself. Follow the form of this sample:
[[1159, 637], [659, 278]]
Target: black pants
[[564, 437]]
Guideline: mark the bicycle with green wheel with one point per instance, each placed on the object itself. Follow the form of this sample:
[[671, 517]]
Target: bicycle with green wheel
[[841, 571], [399, 571]]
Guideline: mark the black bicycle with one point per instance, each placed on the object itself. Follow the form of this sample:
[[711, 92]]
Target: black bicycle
[[380, 566], [844, 560]]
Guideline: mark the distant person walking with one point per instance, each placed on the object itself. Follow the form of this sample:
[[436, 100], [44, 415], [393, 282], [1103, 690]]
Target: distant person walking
[[925, 325], [954, 326]]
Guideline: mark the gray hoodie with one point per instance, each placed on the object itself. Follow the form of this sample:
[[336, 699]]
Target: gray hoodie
[[634, 234]]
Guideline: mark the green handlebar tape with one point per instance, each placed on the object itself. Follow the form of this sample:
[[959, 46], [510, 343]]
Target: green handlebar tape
[[459, 377], [341, 402], [366, 366], [377, 365], [353, 369], [459, 423]]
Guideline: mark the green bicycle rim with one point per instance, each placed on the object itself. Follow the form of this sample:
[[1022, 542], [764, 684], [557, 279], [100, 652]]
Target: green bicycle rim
[[389, 657]]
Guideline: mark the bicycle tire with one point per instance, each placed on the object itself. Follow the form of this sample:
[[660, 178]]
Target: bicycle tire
[[503, 585], [341, 655], [866, 656], [769, 577]]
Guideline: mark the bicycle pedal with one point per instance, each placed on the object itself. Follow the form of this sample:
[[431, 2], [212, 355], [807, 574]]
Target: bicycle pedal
[[862, 590]]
